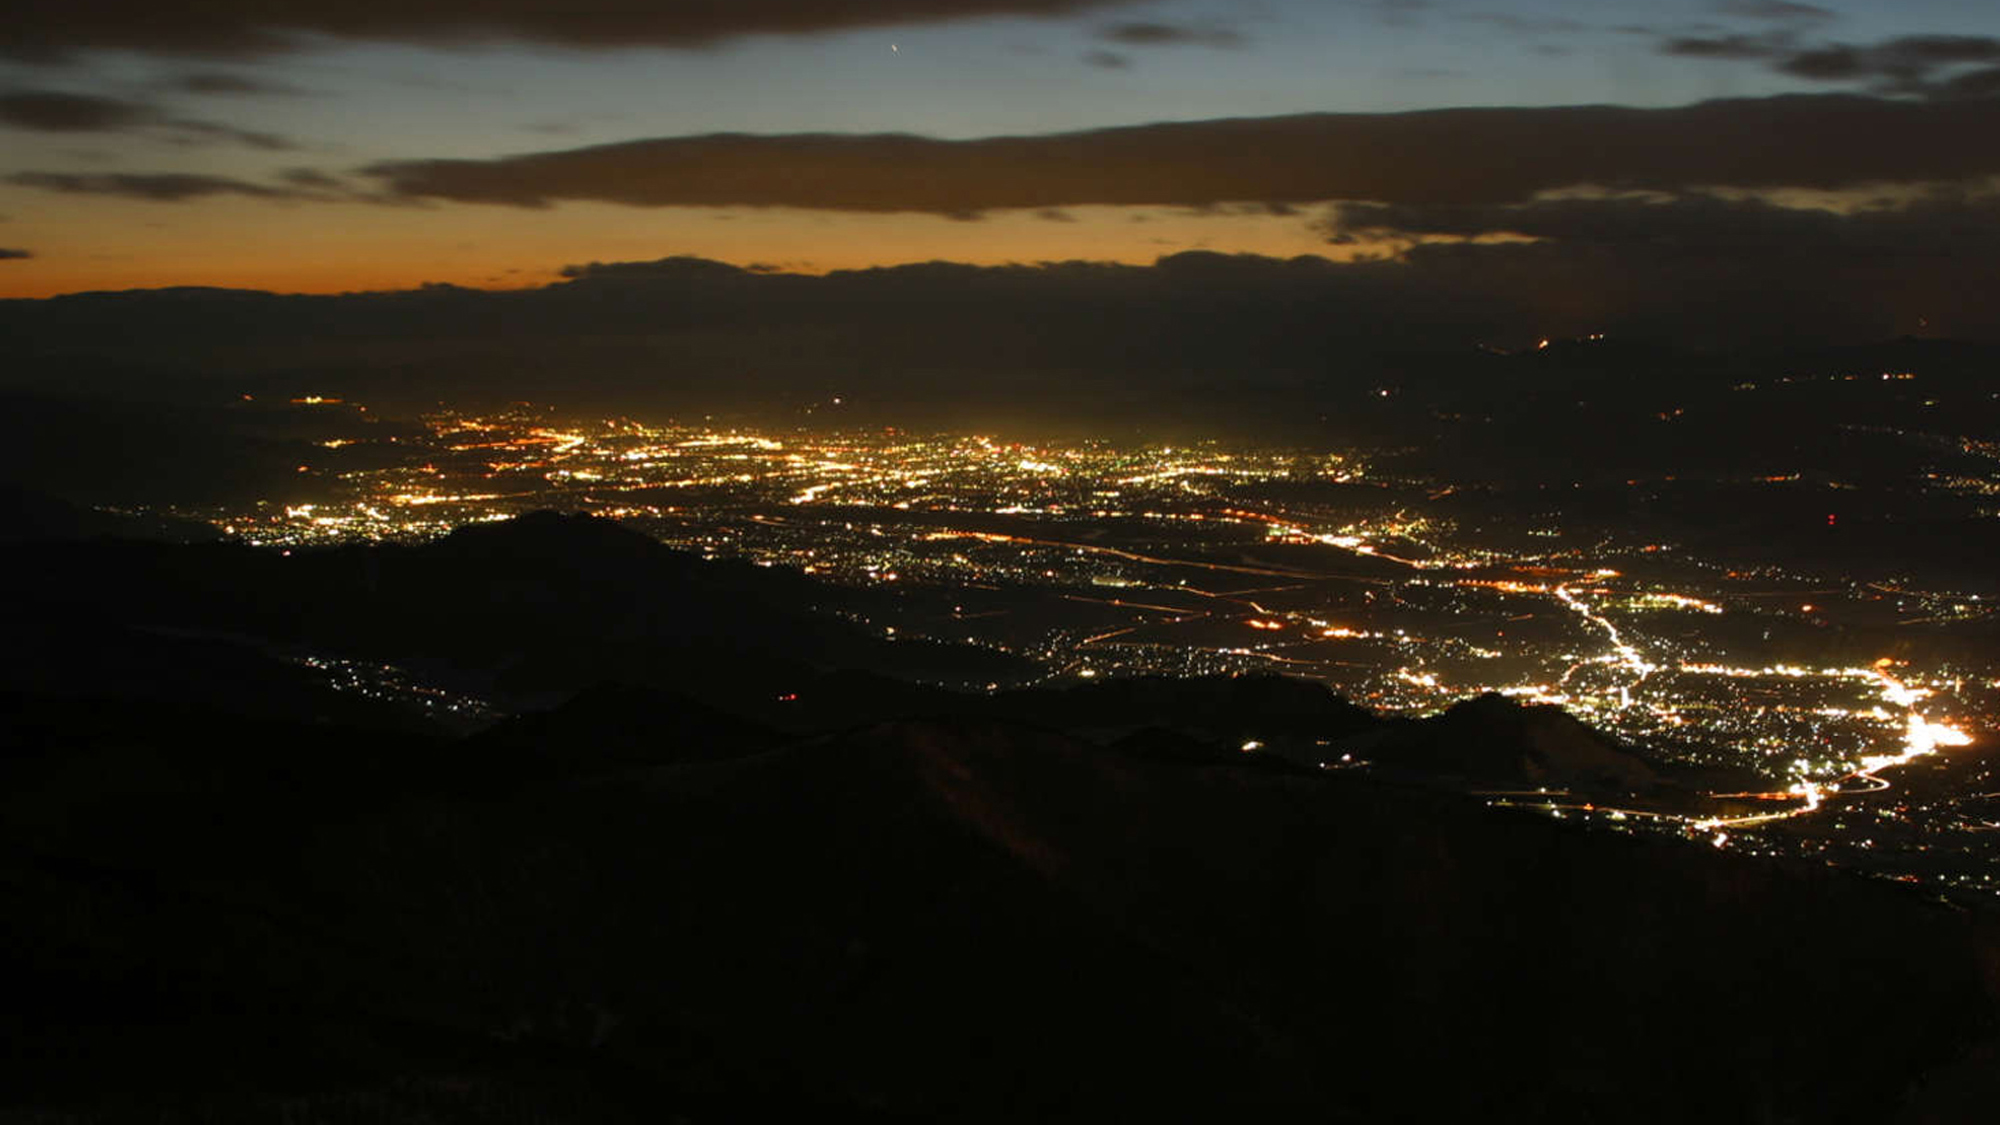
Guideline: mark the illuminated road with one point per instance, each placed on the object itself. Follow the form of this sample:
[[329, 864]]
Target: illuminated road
[[1922, 738], [1623, 656], [1156, 560]]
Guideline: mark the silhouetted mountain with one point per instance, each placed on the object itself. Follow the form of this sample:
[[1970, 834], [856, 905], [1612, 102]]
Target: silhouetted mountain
[[1164, 745], [1493, 739], [27, 516], [613, 728], [1226, 708], [937, 920], [541, 607], [1159, 744], [1217, 712], [1207, 336], [1941, 358], [152, 445], [61, 651]]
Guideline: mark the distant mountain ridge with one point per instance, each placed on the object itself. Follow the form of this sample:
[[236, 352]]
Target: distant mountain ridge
[[546, 604], [28, 516], [1493, 739], [693, 335]]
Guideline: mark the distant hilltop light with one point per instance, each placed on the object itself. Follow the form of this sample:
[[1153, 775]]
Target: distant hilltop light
[[1547, 342]]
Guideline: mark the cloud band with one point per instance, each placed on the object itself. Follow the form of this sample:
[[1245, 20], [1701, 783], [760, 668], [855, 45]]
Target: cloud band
[[1461, 156]]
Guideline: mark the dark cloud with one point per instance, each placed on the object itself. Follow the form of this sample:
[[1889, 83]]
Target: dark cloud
[[55, 112], [1442, 156], [1724, 47], [157, 187], [1971, 84], [199, 132], [1923, 65], [681, 267], [1707, 269], [1397, 13], [1932, 50], [232, 85], [50, 111], [1523, 25], [1109, 60], [1913, 65], [12, 255], [1780, 10], [312, 178], [254, 27], [1700, 224], [1149, 34], [1827, 64]]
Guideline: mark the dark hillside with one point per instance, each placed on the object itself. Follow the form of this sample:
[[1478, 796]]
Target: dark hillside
[[957, 920]]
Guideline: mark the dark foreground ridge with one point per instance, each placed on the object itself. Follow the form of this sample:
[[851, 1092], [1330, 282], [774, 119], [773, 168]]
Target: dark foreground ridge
[[650, 904], [924, 919]]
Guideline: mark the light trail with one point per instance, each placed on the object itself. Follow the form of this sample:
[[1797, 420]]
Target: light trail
[[1155, 560], [1624, 655], [1121, 603], [1270, 656], [1922, 738], [1088, 641]]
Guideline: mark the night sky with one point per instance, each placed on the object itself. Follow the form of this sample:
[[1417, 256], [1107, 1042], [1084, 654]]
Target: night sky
[[1607, 154]]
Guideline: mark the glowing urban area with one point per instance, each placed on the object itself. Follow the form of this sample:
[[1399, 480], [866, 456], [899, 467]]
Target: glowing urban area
[[1101, 560]]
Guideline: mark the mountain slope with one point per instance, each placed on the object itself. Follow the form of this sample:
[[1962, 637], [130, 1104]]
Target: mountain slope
[[967, 920]]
